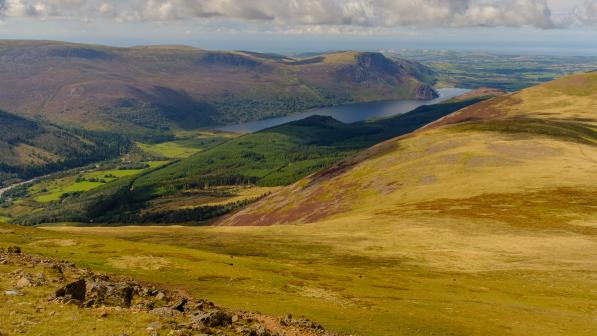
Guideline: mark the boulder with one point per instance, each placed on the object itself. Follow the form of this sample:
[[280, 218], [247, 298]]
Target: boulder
[[179, 305], [216, 318], [160, 296], [259, 331], [102, 292], [74, 290]]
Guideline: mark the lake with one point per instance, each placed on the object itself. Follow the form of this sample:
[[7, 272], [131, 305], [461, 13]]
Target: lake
[[349, 113]]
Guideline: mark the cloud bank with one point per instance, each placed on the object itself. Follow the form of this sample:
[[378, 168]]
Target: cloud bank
[[358, 13], [587, 13]]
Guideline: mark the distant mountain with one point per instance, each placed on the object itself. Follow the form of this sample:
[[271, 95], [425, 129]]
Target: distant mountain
[[149, 89], [527, 159], [30, 148]]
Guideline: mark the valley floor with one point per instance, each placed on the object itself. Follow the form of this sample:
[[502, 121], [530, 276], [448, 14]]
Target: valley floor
[[389, 275]]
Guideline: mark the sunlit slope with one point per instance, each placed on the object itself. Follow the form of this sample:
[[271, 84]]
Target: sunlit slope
[[572, 100], [528, 159], [273, 157]]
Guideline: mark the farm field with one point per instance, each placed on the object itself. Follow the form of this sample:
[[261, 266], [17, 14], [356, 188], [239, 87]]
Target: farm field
[[469, 69], [53, 189], [46, 192], [186, 144]]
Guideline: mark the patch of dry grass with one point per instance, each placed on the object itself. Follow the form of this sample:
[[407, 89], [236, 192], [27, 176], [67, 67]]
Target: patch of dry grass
[[143, 262]]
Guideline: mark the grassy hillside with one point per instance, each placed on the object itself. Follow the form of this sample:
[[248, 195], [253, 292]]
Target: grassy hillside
[[540, 141], [491, 211], [196, 188], [114, 301], [145, 91], [463, 228], [30, 148]]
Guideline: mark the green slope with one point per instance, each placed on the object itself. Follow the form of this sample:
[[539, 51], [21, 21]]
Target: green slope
[[526, 159], [273, 157], [30, 148]]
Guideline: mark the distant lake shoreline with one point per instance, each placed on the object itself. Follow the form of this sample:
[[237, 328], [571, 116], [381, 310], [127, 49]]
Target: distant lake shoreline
[[349, 113]]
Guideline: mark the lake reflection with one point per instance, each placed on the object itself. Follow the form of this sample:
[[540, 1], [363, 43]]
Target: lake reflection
[[349, 113]]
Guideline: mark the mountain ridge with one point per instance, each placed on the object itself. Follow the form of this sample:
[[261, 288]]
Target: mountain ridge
[[146, 90]]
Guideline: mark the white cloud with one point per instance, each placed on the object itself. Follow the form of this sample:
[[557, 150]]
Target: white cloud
[[586, 14], [357, 13]]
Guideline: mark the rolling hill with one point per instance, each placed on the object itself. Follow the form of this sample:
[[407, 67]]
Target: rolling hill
[[31, 148], [148, 90], [186, 190], [521, 158], [482, 223]]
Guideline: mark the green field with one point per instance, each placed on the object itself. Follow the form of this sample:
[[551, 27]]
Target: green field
[[47, 193], [187, 144], [53, 189], [31, 148], [508, 72]]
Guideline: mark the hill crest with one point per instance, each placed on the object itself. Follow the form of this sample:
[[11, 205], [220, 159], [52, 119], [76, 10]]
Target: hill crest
[[522, 140]]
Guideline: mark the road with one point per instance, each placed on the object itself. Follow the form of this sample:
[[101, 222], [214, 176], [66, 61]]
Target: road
[[4, 190]]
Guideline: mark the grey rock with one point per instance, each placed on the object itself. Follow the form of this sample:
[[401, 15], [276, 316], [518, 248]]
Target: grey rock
[[102, 292], [179, 305], [259, 331], [165, 312], [74, 290], [216, 318], [160, 296], [12, 293]]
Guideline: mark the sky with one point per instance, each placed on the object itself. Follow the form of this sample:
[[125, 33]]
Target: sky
[[292, 26]]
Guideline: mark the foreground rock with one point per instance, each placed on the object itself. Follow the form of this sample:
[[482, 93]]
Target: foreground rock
[[181, 314]]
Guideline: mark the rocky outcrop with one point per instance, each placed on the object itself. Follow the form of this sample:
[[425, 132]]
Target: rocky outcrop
[[425, 92], [90, 290], [75, 291]]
